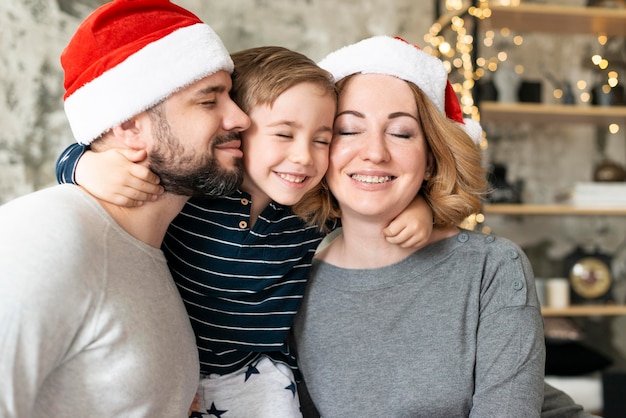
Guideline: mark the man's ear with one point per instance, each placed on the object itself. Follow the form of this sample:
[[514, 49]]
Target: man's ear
[[132, 133]]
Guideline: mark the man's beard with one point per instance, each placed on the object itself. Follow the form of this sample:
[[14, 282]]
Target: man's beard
[[186, 172]]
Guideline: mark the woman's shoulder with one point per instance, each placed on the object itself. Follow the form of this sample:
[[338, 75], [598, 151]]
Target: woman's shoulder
[[492, 243], [496, 254], [507, 278]]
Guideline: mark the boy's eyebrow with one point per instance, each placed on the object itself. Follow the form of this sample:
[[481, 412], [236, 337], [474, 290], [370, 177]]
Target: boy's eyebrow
[[295, 124]]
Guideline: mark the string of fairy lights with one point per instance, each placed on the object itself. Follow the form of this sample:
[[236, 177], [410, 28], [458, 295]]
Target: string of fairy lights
[[457, 54]]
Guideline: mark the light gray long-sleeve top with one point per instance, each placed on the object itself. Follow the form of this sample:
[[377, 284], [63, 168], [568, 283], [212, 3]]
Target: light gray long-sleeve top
[[454, 330]]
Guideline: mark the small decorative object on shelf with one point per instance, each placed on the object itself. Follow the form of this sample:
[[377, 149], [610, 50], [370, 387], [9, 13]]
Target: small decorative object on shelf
[[563, 89], [507, 82], [609, 171], [608, 194], [606, 3], [485, 90], [590, 276], [557, 293], [529, 91], [604, 95], [501, 191]]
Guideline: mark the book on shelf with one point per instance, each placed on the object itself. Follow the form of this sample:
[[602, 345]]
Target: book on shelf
[[611, 194]]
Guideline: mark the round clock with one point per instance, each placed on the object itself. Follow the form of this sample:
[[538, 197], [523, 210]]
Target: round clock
[[590, 278]]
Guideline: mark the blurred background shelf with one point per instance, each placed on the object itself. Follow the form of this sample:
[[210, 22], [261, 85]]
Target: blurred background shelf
[[586, 310], [558, 19], [524, 209], [537, 113]]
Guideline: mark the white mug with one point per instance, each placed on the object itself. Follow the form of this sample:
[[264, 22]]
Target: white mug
[[557, 293]]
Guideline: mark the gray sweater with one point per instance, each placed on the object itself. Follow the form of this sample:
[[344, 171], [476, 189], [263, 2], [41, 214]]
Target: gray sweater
[[453, 330]]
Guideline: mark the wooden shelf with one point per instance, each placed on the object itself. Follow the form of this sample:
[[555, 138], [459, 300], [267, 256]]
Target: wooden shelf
[[585, 310], [563, 21], [521, 209], [538, 113], [558, 19]]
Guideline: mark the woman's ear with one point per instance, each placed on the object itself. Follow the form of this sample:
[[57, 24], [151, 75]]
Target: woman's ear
[[430, 166]]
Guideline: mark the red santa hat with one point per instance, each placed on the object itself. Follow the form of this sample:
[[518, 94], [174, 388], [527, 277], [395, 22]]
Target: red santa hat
[[396, 57], [129, 55]]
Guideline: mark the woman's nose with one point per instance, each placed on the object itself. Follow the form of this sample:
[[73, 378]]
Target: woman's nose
[[374, 147]]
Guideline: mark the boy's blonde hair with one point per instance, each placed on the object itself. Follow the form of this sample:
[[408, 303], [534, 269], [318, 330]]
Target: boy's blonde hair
[[262, 74], [457, 183]]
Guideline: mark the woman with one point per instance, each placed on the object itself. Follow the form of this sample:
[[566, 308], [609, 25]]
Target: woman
[[453, 329]]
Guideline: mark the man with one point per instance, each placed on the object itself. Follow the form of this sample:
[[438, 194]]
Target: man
[[91, 321]]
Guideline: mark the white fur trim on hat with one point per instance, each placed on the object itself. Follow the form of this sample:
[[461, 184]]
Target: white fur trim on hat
[[144, 79], [390, 56]]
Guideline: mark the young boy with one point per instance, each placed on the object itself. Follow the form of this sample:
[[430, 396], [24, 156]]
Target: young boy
[[241, 262]]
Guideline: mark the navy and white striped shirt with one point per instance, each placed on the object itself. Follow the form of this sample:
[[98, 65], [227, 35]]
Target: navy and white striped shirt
[[241, 287]]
